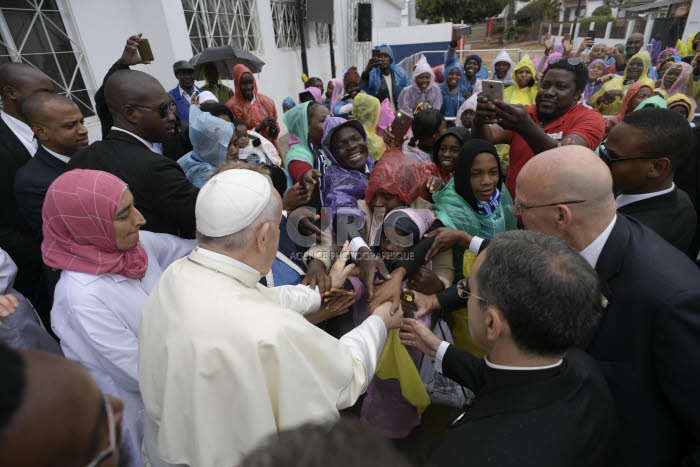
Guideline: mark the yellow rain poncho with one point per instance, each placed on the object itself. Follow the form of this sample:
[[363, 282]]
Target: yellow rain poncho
[[618, 83], [366, 111], [517, 95], [687, 47]]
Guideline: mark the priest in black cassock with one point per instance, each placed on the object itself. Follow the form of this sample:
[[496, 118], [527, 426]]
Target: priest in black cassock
[[539, 402]]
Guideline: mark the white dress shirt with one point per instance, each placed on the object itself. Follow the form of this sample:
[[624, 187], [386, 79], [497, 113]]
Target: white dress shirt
[[58, 156], [22, 131], [97, 319], [624, 200], [592, 252], [146, 143]]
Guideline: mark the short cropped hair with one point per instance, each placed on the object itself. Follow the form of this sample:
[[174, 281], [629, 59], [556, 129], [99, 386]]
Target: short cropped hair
[[345, 444], [549, 295], [666, 133], [33, 107], [579, 70], [216, 109]]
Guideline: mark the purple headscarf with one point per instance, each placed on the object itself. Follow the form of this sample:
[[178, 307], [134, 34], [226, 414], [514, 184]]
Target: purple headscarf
[[593, 86]]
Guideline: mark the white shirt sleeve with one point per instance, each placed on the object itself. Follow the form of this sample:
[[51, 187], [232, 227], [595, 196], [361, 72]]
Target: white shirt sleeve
[[299, 298], [366, 342], [440, 355], [475, 244], [355, 245], [165, 248]]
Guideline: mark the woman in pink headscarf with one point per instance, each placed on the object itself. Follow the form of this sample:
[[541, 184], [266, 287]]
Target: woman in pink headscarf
[[677, 79], [91, 233]]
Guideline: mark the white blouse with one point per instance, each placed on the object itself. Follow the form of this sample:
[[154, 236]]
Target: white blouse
[[97, 320]]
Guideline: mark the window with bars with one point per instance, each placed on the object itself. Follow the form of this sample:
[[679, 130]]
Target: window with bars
[[34, 32], [322, 35], [213, 23], [284, 21]]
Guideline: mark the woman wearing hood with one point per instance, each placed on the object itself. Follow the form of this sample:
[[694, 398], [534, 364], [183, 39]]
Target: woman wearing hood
[[257, 111], [423, 89], [678, 80], [366, 110], [682, 104], [636, 94], [502, 68], [525, 89], [305, 121], [609, 97], [451, 89], [213, 142], [334, 92], [690, 47], [595, 71], [445, 155], [470, 82], [475, 200]]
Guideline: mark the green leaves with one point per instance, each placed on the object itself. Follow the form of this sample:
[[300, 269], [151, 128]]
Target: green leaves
[[468, 11]]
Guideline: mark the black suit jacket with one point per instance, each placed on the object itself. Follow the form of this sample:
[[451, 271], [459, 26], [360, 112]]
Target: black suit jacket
[[648, 345], [671, 215], [161, 190], [31, 183], [563, 416], [15, 234], [687, 177]]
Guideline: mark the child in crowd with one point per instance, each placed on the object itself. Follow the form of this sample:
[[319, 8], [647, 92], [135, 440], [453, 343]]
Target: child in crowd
[[422, 89], [255, 149]]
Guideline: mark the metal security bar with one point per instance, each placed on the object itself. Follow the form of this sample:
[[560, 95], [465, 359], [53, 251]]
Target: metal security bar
[[214, 23]]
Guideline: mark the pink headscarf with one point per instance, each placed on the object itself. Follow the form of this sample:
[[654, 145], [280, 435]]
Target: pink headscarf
[[315, 92], [386, 116], [337, 92], [78, 218], [681, 83]]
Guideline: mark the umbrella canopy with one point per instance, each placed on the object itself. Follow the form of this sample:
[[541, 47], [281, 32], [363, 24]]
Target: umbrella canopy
[[225, 57]]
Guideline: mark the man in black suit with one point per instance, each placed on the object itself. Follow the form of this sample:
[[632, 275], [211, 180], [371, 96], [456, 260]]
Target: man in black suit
[[687, 178], [143, 115], [58, 125], [18, 81], [647, 341], [539, 402], [643, 152]]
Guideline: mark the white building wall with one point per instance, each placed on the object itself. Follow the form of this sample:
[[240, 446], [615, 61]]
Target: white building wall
[[102, 27], [386, 13]]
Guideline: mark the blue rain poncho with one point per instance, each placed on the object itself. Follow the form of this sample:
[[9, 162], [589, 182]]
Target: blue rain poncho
[[210, 137]]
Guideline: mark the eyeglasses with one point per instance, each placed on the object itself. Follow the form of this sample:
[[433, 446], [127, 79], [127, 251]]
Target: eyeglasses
[[607, 156], [573, 61], [464, 291], [163, 110], [101, 456], [519, 207]]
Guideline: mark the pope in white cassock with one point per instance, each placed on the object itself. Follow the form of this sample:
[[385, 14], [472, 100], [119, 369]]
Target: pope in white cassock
[[221, 363]]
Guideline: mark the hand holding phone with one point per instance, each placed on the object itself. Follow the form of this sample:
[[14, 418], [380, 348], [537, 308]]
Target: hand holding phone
[[145, 51], [492, 89]]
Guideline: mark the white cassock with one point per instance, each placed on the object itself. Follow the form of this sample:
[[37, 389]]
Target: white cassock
[[222, 364]]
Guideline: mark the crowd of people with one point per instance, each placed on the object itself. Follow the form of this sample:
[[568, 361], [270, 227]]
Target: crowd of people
[[188, 292]]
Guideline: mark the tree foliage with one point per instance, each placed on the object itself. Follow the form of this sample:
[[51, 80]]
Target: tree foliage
[[469, 11], [602, 10], [548, 10]]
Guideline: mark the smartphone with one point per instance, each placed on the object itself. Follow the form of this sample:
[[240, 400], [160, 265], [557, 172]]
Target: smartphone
[[401, 124], [462, 30], [492, 89], [145, 51], [375, 53], [591, 34]]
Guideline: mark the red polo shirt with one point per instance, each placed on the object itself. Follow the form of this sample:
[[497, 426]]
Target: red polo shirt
[[579, 120]]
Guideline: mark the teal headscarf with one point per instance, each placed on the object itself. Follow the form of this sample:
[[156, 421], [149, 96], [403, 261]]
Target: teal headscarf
[[297, 121]]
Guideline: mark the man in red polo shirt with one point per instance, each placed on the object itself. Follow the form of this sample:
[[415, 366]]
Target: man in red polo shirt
[[556, 119]]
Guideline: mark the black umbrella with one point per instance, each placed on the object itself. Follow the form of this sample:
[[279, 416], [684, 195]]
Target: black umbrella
[[225, 57]]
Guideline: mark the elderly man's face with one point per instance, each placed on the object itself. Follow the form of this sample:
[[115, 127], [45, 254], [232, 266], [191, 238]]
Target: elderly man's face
[[274, 234], [186, 79], [557, 93], [598, 51], [528, 193]]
